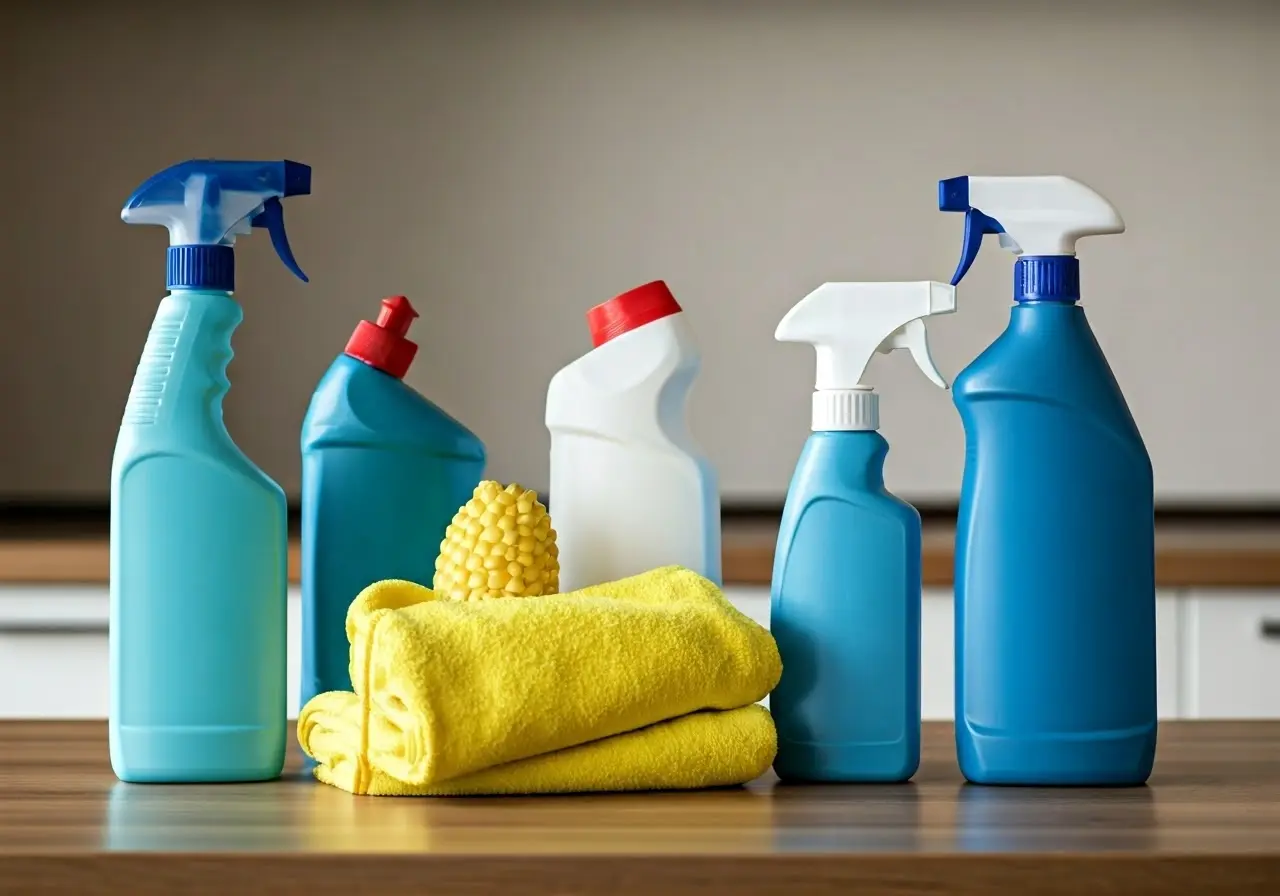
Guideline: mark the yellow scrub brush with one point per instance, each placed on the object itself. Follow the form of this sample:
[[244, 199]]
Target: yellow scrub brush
[[500, 544]]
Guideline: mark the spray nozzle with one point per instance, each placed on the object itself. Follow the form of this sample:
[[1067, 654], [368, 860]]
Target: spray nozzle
[[847, 324], [206, 203], [1039, 216]]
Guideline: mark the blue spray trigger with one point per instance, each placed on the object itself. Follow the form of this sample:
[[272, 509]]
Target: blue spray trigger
[[272, 218], [976, 226]]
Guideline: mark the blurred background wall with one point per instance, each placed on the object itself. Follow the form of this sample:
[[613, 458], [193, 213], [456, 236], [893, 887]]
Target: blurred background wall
[[509, 164]]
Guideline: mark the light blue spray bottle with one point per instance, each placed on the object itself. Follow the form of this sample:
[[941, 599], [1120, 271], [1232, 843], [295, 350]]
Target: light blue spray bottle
[[198, 533], [845, 601]]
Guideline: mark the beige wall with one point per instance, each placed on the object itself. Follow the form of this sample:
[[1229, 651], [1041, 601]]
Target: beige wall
[[509, 164]]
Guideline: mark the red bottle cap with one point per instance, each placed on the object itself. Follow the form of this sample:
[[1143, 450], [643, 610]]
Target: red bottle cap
[[383, 344], [634, 308]]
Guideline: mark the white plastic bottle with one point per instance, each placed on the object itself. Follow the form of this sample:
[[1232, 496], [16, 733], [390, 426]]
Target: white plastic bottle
[[630, 488]]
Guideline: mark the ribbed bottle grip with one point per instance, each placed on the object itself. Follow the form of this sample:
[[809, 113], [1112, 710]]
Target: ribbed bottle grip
[[152, 376]]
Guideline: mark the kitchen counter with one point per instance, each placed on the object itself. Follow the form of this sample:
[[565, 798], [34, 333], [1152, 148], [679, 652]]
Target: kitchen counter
[[1208, 822], [1229, 553]]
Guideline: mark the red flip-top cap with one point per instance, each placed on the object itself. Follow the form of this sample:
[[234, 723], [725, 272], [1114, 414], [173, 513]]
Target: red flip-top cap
[[634, 308], [383, 344]]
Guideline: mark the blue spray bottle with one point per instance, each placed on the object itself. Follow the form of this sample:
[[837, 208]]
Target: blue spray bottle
[[1055, 544], [383, 472], [198, 533], [845, 601]]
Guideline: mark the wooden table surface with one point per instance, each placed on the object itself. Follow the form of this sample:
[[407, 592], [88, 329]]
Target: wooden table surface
[[1220, 554], [1209, 821]]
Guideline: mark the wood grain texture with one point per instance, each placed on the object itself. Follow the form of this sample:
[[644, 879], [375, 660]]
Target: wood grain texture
[[1208, 822], [1197, 555]]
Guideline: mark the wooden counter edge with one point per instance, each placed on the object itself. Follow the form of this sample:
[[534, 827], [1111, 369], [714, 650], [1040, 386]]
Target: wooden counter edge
[[142, 874], [747, 561]]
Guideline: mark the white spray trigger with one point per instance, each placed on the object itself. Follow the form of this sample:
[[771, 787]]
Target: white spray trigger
[[914, 337], [848, 324]]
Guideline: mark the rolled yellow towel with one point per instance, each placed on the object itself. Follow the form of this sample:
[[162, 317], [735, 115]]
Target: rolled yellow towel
[[449, 688], [701, 749]]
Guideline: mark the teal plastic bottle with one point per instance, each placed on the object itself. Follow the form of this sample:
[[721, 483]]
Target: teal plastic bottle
[[845, 597], [198, 533], [383, 472], [1055, 540]]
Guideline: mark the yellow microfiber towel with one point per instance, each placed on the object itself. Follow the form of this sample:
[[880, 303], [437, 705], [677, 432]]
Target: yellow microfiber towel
[[449, 688], [701, 749]]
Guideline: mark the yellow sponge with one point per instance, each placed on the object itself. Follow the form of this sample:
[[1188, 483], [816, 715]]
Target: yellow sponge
[[500, 544]]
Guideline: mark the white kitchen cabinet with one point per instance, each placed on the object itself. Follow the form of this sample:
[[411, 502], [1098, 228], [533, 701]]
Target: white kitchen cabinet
[[1169, 658], [1231, 650], [937, 654], [752, 600], [53, 652], [1218, 652]]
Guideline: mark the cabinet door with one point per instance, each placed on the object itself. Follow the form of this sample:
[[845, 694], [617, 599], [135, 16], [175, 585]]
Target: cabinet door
[[937, 655], [1232, 655], [53, 652], [1169, 658]]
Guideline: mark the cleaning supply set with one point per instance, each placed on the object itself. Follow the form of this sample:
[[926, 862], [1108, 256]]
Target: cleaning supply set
[[439, 654], [483, 685], [384, 471], [1055, 578]]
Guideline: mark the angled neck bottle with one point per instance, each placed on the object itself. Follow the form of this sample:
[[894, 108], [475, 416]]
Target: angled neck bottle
[[384, 470]]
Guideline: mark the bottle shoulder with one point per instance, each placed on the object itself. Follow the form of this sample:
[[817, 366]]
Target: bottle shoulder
[[875, 503], [191, 477], [1048, 347], [354, 404], [848, 469], [838, 523], [639, 374], [1050, 357]]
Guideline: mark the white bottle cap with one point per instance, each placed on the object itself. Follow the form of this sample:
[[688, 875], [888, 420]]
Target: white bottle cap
[[846, 410]]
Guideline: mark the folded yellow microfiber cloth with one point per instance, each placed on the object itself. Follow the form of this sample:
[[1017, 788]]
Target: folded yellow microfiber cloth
[[447, 689], [702, 749]]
